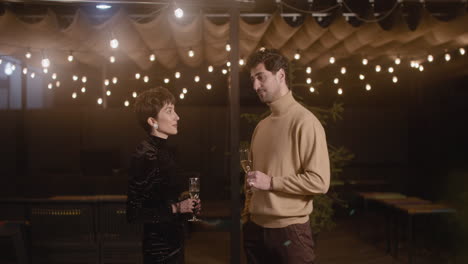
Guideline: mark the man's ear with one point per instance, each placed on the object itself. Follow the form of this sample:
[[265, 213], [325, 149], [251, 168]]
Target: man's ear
[[281, 75]]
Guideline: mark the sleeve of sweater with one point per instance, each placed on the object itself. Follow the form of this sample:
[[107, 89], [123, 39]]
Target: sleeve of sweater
[[142, 180], [314, 177]]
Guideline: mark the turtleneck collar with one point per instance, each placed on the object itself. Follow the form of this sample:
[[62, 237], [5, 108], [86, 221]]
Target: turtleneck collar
[[282, 104], [157, 141]]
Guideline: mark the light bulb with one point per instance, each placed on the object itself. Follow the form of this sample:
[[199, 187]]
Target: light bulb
[[28, 55], [112, 59], [395, 79], [25, 70], [70, 58], [114, 43], [182, 96], [362, 77], [390, 69], [208, 86], [312, 89], [365, 61], [166, 80], [228, 64], [49, 86], [197, 78], [45, 70], [210, 68], [54, 76], [152, 57], [184, 90], [114, 80], [191, 53], [228, 47], [308, 70], [99, 100], [103, 6], [308, 80], [224, 71], [74, 95], [108, 93], [45, 62], [378, 68], [397, 61], [75, 78], [241, 62], [447, 57], [332, 60], [137, 76], [177, 75], [368, 87], [297, 56], [178, 12], [126, 103], [146, 79], [83, 89], [462, 51], [106, 82], [134, 94], [57, 83], [336, 81], [430, 58], [343, 70], [84, 79], [33, 74], [340, 91], [421, 68]]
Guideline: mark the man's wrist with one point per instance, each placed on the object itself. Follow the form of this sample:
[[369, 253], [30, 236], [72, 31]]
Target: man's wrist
[[271, 184]]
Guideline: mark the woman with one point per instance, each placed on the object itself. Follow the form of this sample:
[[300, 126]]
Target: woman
[[152, 193]]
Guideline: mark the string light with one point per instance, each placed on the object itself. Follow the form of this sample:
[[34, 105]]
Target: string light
[[33, 74], [430, 58], [336, 81], [340, 91], [84, 79], [45, 70], [75, 78], [364, 61], [309, 70], [114, 43], [106, 82], [224, 71], [308, 80], [395, 79], [70, 57], [152, 57], [397, 61], [126, 103], [25, 70], [28, 54], [146, 79], [362, 77], [182, 96], [166, 80], [74, 95], [208, 86], [368, 87], [178, 12], [421, 68], [137, 76], [191, 53], [177, 75], [332, 60], [210, 68], [57, 83], [462, 51], [228, 64], [134, 94], [184, 90], [99, 101], [83, 89], [343, 70], [378, 68], [108, 93], [13, 67], [228, 47], [112, 59], [45, 62], [312, 89], [50, 86], [241, 62], [54, 75], [447, 57], [390, 69], [197, 78], [115, 80], [297, 55]]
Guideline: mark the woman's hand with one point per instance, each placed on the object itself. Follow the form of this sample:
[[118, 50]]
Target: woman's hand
[[187, 206]]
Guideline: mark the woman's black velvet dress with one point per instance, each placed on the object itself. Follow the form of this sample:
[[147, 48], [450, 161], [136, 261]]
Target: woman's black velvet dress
[[151, 191]]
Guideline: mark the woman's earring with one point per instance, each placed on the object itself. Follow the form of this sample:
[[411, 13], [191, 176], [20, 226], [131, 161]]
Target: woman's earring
[[155, 126]]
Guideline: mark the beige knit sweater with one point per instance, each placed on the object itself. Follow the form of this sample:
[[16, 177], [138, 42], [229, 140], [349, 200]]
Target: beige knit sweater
[[290, 146]]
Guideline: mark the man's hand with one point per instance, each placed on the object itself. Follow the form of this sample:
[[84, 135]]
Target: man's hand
[[259, 180]]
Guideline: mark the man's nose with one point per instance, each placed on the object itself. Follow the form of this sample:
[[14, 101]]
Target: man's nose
[[256, 85]]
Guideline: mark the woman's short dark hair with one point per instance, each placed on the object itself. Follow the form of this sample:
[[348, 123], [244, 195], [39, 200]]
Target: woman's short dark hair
[[271, 58], [149, 103]]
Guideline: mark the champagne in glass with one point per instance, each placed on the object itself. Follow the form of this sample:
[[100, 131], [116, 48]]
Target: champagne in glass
[[246, 162], [194, 191]]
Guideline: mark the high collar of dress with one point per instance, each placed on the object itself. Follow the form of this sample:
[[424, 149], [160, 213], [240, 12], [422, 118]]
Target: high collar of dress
[[282, 104], [157, 141]]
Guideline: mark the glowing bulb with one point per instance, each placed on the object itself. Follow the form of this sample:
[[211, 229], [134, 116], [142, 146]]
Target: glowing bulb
[[197, 78], [447, 57], [365, 61], [343, 70], [421, 68], [297, 56], [191, 53], [84, 79], [106, 82], [184, 90], [166, 80], [108, 93], [178, 12], [430, 58], [114, 43], [126, 103], [462, 51], [45, 70], [378, 68], [114, 80], [103, 6], [397, 61], [49, 86], [340, 91], [416, 65], [70, 58], [208, 86], [13, 67], [25, 70], [336, 81], [137, 76], [228, 64], [75, 78], [308, 70], [224, 71], [146, 79], [308, 80], [182, 96], [83, 89], [54, 76], [210, 68], [33, 74], [57, 83], [134, 94], [28, 55], [368, 87], [241, 62], [112, 59], [99, 100], [228, 47], [152, 57], [312, 89], [332, 60], [74, 95], [45, 63], [390, 69], [177, 75], [395, 79], [362, 77]]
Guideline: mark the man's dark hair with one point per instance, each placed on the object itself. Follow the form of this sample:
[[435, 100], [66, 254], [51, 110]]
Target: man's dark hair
[[272, 59], [149, 104]]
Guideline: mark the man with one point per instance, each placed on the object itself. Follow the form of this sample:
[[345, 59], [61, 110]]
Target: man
[[290, 165]]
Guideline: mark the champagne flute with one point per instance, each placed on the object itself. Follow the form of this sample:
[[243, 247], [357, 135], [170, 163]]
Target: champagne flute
[[194, 191], [246, 162]]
